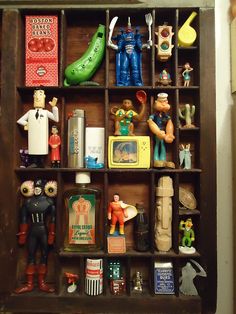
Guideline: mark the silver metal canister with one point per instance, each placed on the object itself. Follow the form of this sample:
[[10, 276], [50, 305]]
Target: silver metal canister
[[76, 133]]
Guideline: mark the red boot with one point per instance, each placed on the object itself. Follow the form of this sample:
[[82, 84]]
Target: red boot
[[42, 270], [30, 271]]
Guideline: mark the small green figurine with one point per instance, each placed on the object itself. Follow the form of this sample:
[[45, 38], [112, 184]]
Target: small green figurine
[[187, 114], [188, 236]]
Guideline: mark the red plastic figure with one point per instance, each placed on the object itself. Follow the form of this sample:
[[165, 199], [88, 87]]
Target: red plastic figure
[[117, 212], [55, 142]]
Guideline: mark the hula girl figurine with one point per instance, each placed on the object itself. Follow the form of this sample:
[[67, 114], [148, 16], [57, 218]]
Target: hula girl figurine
[[186, 74]]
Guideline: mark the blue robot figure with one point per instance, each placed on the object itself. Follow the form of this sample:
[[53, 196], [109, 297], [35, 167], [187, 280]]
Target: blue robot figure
[[128, 56]]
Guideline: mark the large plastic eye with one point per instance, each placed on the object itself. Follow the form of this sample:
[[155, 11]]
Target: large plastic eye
[[27, 188], [51, 188]]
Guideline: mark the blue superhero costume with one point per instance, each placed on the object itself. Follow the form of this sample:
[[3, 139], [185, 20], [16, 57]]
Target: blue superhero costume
[[129, 59]]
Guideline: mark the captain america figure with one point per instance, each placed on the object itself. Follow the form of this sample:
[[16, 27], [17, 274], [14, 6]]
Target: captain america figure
[[34, 213]]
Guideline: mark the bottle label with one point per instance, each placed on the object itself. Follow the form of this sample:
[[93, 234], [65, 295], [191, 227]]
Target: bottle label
[[82, 219]]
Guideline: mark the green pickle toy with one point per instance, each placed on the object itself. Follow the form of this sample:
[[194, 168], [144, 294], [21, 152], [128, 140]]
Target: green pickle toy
[[84, 68]]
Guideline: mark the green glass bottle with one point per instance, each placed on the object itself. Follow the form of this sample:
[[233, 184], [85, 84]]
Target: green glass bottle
[[82, 215]]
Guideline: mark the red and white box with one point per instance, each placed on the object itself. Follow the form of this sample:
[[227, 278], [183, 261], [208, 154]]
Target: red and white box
[[41, 50]]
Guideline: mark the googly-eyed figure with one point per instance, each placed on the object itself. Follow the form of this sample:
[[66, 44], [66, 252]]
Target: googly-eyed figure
[[37, 209]]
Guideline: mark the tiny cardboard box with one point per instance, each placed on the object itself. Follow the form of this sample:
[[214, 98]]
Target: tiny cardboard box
[[116, 244], [41, 50]]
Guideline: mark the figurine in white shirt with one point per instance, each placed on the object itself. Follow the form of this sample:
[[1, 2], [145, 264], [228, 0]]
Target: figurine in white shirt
[[35, 121]]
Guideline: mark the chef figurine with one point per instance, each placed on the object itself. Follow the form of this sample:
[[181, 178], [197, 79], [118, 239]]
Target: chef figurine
[[35, 121]]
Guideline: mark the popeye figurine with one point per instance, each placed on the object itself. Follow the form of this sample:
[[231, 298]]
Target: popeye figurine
[[161, 126], [36, 122]]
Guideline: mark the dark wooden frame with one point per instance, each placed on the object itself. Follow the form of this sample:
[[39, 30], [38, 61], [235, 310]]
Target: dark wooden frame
[[13, 93]]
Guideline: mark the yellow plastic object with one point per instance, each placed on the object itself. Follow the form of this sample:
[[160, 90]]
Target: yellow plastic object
[[129, 152], [187, 34]]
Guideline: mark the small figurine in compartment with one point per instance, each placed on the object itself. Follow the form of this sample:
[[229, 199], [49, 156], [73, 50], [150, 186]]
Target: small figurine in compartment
[[164, 192], [188, 236], [161, 126], [129, 53], [125, 116], [117, 212], [164, 78], [138, 282], [72, 282], [187, 286], [185, 156], [186, 74], [187, 114], [121, 212], [91, 163], [55, 143], [34, 229], [35, 121]]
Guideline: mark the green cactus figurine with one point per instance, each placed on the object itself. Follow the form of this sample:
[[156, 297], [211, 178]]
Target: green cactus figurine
[[187, 114]]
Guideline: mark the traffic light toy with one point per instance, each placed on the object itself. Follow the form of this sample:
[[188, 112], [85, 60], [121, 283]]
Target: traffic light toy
[[164, 46]]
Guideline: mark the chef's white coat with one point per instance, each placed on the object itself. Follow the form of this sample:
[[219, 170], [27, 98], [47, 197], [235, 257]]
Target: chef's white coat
[[38, 129]]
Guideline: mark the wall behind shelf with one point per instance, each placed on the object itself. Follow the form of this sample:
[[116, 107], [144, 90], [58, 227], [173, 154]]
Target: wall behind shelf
[[224, 106]]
